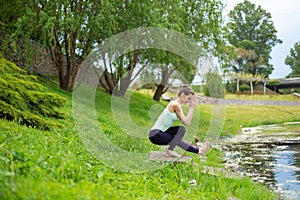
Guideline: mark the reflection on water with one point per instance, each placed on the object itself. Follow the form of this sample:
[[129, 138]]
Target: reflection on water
[[287, 171], [275, 165]]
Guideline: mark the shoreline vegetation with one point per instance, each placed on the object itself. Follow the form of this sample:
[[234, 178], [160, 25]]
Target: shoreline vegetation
[[36, 164]]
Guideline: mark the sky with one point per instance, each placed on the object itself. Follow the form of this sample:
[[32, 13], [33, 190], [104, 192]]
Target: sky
[[286, 17]]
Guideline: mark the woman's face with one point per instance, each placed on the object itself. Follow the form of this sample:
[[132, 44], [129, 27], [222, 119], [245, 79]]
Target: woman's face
[[184, 99]]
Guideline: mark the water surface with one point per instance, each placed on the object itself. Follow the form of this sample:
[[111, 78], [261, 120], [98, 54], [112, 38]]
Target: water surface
[[269, 155]]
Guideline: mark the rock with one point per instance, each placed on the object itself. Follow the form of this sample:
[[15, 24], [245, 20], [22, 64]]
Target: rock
[[161, 156]]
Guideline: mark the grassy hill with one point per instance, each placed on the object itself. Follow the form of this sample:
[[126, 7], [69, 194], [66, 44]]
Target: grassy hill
[[37, 164]]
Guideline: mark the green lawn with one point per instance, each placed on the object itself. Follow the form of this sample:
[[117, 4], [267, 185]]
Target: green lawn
[[55, 164], [275, 97]]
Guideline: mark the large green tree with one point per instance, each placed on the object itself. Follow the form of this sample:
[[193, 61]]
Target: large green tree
[[119, 68], [66, 28], [69, 29], [293, 60], [245, 64], [200, 20], [251, 28]]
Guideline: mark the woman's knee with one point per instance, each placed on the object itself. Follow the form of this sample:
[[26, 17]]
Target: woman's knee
[[181, 130]]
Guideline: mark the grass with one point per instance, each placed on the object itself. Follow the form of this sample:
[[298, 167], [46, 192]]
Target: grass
[[275, 97], [55, 164]]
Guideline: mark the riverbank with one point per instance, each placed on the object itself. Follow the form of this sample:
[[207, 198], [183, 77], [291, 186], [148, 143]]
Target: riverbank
[[269, 155]]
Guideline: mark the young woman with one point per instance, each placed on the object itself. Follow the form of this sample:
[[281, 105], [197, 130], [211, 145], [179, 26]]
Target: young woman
[[163, 133]]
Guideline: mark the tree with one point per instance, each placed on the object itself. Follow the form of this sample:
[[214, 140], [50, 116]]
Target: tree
[[265, 81], [252, 78], [171, 67], [247, 61], [251, 28], [245, 65], [67, 29], [236, 76], [293, 60], [200, 20], [119, 72]]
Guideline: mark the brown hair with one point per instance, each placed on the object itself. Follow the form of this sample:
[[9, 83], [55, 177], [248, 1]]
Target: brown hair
[[186, 90]]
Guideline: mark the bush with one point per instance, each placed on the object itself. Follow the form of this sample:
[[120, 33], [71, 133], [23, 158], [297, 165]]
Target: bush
[[23, 99], [244, 87], [230, 87], [273, 82], [214, 86]]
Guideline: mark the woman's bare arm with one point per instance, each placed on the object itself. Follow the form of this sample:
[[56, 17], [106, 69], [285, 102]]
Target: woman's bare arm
[[186, 120]]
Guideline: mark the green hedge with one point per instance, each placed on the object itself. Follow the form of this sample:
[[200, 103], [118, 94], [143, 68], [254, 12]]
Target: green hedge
[[273, 82], [244, 87], [23, 99]]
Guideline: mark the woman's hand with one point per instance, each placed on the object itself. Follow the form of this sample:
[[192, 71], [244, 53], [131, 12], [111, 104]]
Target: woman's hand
[[193, 101]]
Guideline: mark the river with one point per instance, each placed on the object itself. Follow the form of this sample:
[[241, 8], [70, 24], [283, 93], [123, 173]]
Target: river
[[269, 155]]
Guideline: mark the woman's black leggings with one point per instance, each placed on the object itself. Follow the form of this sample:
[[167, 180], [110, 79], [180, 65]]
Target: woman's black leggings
[[173, 137]]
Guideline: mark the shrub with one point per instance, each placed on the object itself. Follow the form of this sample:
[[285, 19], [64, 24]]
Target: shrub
[[214, 86], [244, 87], [23, 99], [273, 82], [230, 87]]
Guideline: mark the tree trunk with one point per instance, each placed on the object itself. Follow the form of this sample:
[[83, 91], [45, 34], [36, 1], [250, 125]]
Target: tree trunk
[[121, 89], [158, 92], [124, 84], [160, 88], [251, 86], [108, 81], [68, 72], [265, 89], [67, 81], [66, 65]]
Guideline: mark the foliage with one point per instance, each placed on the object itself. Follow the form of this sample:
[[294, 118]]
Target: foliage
[[24, 100], [273, 82], [246, 77], [251, 28], [196, 88], [167, 67], [214, 86], [70, 29], [230, 87], [293, 60], [67, 29], [199, 20], [244, 87], [11, 11], [252, 79], [247, 61]]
